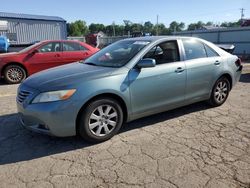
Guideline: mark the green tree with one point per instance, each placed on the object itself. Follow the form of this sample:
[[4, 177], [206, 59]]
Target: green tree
[[109, 30], [175, 26], [195, 26], [135, 27], [209, 24], [95, 28], [231, 24], [161, 30], [148, 27], [128, 24], [78, 28], [120, 30]]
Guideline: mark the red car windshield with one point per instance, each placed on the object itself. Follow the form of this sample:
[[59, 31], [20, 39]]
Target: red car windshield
[[30, 47]]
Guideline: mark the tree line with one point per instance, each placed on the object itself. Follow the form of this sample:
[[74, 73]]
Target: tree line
[[80, 28]]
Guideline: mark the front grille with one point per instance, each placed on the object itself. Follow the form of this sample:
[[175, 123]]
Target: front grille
[[22, 95]]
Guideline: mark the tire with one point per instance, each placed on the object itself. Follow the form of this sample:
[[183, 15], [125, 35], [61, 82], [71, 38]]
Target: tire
[[220, 92], [100, 120], [14, 74]]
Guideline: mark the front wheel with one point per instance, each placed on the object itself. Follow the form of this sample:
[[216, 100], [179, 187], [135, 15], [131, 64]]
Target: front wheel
[[14, 74], [101, 120], [220, 92]]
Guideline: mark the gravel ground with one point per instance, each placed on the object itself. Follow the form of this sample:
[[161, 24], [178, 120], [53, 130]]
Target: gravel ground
[[193, 146]]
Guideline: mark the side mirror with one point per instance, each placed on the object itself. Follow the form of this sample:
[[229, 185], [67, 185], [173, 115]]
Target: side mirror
[[34, 51], [146, 63]]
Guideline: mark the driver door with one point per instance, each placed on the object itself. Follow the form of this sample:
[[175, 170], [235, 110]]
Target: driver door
[[47, 56], [161, 87]]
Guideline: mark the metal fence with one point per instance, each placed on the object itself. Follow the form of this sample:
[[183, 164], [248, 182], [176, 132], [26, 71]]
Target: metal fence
[[82, 39], [239, 37], [29, 31], [109, 40]]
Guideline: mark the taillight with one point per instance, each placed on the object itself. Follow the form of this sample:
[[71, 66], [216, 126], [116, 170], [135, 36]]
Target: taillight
[[238, 62]]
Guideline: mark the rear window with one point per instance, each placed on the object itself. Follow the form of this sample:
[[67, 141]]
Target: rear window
[[210, 51], [73, 46]]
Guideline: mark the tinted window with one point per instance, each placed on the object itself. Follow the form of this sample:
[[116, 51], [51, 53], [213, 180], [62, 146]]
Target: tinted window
[[210, 51], [194, 49], [50, 47], [164, 53], [72, 46]]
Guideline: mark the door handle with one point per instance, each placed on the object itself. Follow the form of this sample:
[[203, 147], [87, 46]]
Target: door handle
[[179, 70], [217, 63], [57, 55]]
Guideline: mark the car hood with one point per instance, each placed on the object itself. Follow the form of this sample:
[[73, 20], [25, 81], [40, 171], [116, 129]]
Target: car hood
[[66, 75], [9, 54]]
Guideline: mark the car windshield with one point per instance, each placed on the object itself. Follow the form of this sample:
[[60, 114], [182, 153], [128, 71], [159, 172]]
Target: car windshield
[[117, 54], [30, 47]]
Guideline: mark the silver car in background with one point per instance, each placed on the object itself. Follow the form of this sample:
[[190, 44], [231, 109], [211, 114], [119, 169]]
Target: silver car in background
[[127, 80]]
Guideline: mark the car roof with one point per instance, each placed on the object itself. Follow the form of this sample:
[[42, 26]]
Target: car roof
[[61, 41], [155, 38]]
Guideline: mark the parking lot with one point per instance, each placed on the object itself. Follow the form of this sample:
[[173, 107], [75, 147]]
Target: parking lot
[[193, 146]]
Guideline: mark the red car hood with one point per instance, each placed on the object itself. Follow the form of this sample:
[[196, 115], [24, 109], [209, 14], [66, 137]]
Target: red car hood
[[9, 54]]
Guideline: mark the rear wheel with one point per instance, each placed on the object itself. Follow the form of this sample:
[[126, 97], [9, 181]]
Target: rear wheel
[[101, 120], [14, 74], [220, 92]]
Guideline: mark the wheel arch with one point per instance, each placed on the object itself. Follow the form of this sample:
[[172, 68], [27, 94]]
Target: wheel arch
[[229, 77], [103, 95]]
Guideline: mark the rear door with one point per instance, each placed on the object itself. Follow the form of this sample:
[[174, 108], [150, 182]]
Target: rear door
[[203, 66], [73, 51], [47, 56]]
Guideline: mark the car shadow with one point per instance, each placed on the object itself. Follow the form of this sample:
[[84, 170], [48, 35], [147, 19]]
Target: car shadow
[[2, 82], [18, 144], [245, 78]]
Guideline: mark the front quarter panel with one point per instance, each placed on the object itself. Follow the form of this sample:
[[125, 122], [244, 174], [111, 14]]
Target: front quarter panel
[[114, 84]]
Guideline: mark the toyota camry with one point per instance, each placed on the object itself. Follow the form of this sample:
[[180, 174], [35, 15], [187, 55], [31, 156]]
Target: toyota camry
[[127, 80]]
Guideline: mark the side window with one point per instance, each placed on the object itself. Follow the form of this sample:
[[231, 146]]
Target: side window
[[194, 49], [72, 46], [82, 48], [210, 52], [165, 52], [50, 47]]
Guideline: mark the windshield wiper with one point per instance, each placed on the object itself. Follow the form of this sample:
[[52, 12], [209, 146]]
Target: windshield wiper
[[89, 63]]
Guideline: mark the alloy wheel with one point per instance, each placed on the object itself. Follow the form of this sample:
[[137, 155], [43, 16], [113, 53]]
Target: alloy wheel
[[15, 74], [221, 91], [103, 120]]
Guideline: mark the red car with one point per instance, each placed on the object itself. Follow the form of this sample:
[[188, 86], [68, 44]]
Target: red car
[[15, 67]]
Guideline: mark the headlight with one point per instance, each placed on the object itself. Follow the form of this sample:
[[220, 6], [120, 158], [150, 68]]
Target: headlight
[[54, 96]]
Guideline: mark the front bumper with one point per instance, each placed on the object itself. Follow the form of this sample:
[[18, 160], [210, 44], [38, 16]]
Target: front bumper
[[35, 128], [52, 118], [48, 118]]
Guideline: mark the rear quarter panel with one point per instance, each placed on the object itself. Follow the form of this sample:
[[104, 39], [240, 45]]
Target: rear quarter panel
[[231, 68]]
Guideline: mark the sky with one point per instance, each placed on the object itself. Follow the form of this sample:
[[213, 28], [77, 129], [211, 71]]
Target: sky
[[137, 11]]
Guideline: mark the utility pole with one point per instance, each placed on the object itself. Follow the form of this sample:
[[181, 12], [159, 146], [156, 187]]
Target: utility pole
[[242, 14], [113, 28], [157, 26]]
